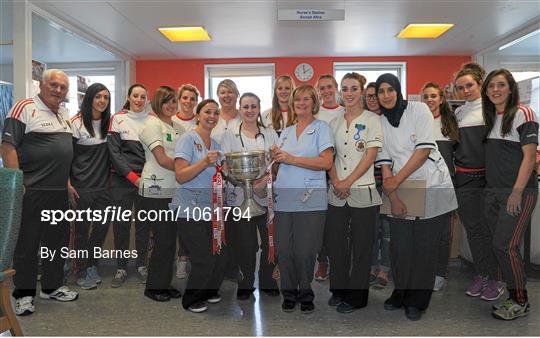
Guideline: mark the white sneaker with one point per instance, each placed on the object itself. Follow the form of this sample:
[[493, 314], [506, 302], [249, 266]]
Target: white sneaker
[[119, 278], [24, 306], [62, 294], [440, 283], [181, 269], [142, 273]]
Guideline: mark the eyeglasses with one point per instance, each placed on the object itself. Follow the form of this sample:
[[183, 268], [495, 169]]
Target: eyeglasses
[[370, 97]]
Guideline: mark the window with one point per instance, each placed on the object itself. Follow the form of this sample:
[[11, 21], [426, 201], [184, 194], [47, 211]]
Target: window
[[372, 70], [73, 105], [255, 78]]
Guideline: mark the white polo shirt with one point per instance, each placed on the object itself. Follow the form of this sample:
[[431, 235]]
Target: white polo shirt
[[266, 117], [415, 131], [327, 114], [352, 142], [156, 181], [231, 142], [222, 126], [188, 124]]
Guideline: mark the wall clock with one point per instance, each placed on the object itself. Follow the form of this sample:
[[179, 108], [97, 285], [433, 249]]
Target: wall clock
[[304, 72]]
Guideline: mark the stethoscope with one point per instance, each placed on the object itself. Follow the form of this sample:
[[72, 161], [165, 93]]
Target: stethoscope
[[256, 135]]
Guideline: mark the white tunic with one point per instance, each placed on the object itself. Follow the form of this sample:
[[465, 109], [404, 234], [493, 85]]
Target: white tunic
[[415, 131], [156, 181], [352, 142], [222, 126]]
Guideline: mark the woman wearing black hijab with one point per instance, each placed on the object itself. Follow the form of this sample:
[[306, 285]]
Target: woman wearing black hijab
[[409, 152]]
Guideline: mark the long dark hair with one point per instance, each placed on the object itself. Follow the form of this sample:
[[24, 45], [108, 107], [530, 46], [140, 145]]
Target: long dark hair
[[511, 107], [133, 86], [449, 125], [86, 110]]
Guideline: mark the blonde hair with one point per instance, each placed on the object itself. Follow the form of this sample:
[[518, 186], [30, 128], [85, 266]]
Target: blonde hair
[[228, 84], [305, 89], [275, 112]]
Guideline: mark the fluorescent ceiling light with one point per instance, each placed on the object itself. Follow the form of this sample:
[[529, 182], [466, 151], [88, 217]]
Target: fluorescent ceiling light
[[185, 34], [518, 40], [424, 30]]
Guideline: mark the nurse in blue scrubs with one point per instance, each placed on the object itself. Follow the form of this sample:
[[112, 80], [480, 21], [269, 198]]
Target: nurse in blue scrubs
[[196, 156], [304, 154]]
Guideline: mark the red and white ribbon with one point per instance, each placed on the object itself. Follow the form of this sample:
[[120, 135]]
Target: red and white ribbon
[[218, 223], [270, 215]]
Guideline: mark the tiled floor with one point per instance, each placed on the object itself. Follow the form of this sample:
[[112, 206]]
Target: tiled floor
[[125, 311]]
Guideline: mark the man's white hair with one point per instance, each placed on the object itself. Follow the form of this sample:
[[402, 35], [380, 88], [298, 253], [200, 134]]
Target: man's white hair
[[50, 72]]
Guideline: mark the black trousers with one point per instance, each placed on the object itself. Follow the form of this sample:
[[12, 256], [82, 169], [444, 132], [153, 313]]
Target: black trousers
[[207, 269], [470, 195], [34, 234], [298, 238], [182, 249], [89, 235], [445, 247], [125, 195], [507, 233], [414, 245], [350, 275], [244, 246], [165, 231]]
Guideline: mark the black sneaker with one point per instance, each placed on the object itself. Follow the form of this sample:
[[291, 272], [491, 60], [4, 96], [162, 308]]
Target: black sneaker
[[198, 307], [288, 306], [335, 300], [389, 306], [413, 313], [307, 307], [174, 293], [214, 299], [244, 294], [157, 295], [345, 307]]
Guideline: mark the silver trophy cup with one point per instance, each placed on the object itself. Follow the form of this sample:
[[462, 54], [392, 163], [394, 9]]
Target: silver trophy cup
[[246, 167]]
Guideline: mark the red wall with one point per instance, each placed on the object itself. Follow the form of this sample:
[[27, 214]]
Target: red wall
[[420, 69]]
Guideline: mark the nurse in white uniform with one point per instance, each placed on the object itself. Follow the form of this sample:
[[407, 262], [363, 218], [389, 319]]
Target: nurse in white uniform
[[158, 137], [250, 135], [353, 198], [304, 154], [409, 152]]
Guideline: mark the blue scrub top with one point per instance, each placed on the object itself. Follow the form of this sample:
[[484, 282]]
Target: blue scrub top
[[198, 191], [301, 189]]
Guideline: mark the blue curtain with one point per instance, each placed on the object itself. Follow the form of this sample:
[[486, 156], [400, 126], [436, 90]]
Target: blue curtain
[[6, 102]]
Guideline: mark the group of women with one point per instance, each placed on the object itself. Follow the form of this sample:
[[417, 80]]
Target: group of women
[[374, 143]]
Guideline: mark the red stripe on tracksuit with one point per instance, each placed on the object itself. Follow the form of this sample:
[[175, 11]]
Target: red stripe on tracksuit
[[515, 260], [19, 107]]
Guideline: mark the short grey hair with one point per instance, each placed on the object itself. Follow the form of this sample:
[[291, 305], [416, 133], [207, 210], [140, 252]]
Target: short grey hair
[[50, 72]]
